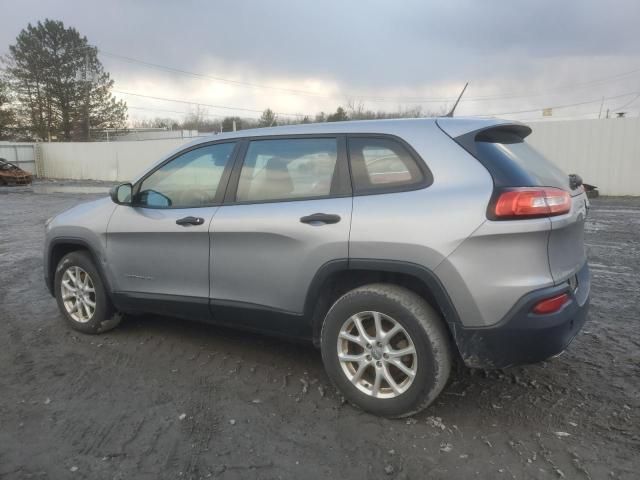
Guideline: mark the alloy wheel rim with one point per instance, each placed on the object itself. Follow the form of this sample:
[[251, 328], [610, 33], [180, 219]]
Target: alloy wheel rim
[[78, 294], [377, 354]]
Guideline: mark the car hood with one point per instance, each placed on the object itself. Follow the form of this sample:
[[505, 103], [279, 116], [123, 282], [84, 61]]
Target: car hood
[[87, 214]]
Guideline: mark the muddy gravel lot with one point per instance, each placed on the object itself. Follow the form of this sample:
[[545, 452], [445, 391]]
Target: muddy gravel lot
[[164, 398]]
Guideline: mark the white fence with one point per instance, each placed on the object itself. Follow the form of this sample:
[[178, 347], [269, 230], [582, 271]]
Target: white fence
[[605, 153], [113, 161]]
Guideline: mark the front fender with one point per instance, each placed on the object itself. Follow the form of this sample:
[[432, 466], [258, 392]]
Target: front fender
[[81, 227]]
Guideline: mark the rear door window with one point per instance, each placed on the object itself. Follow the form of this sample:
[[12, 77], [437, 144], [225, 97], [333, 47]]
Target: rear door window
[[287, 169]]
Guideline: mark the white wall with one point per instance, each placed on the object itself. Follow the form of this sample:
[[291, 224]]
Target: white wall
[[605, 153], [113, 161]]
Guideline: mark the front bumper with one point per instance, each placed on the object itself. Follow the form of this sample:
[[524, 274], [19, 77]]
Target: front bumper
[[524, 337]]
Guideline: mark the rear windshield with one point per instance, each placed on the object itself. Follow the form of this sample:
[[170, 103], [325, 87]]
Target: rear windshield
[[514, 163]]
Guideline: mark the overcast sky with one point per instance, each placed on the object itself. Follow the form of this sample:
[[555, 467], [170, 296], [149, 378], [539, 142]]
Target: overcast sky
[[316, 55]]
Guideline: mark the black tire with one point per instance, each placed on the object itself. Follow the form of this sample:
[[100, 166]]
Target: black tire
[[426, 329], [104, 317]]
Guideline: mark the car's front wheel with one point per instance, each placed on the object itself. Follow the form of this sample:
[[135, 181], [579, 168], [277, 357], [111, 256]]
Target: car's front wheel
[[81, 295], [386, 349]]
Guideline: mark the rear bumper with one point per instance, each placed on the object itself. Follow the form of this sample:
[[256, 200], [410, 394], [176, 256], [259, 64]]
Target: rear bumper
[[523, 337]]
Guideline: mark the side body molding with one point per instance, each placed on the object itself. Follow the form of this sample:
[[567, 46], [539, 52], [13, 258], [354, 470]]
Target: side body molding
[[295, 325]]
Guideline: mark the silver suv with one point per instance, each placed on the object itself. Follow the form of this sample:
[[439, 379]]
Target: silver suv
[[396, 246]]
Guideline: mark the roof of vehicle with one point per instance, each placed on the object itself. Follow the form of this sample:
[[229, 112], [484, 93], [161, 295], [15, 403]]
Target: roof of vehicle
[[452, 126]]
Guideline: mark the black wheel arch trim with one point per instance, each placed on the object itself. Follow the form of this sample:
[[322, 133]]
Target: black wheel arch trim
[[50, 268], [428, 277], [421, 273]]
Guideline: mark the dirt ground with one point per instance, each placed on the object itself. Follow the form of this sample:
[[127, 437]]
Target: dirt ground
[[164, 398]]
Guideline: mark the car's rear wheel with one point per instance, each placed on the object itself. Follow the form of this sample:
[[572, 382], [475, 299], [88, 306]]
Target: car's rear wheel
[[386, 349], [81, 295]]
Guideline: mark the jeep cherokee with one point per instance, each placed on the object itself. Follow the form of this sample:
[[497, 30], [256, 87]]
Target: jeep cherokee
[[395, 246]]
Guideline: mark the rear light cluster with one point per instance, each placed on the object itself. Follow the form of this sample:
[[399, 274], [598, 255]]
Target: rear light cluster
[[527, 202], [551, 305]]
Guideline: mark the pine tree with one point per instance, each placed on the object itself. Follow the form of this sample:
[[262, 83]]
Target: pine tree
[[267, 119], [339, 116], [60, 84], [7, 115]]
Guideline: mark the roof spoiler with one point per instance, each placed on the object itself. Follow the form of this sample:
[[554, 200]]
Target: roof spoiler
[[457, 127]]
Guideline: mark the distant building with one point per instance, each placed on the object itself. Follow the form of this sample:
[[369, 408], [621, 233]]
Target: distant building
[[133, 134]]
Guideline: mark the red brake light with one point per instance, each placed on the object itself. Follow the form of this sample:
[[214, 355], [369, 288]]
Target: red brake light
[[531, 202], [551, 305]]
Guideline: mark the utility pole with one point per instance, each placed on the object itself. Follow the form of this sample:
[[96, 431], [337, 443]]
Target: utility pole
[[601, 105], [86, 86]]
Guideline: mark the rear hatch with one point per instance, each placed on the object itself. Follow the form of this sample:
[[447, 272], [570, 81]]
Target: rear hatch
[[566, 240], [513, 164]]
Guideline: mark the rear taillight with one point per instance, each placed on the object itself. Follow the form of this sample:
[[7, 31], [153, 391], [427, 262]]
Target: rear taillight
[[517, 203], [551, 305]]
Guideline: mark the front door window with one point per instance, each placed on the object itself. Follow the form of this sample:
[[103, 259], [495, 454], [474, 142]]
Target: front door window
[[189, 180]]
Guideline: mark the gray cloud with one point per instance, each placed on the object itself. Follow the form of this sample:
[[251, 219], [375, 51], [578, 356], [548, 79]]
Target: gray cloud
[[403, 48]]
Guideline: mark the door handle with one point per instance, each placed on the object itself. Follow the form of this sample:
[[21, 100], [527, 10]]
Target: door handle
[[317, 218], [190, 221]]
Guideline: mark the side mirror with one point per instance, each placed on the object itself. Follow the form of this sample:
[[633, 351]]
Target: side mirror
[[121, 194]]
